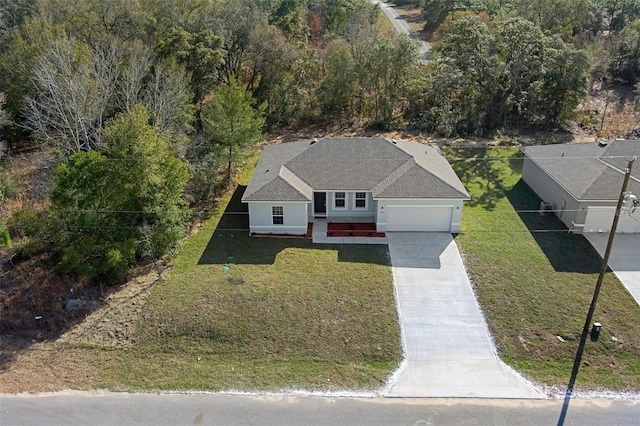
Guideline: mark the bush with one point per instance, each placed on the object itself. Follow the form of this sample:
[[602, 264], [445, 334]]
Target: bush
[[27, 222], [8, 187]]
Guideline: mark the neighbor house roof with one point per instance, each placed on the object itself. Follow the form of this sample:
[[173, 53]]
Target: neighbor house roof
[[589, 171], [389, 169]]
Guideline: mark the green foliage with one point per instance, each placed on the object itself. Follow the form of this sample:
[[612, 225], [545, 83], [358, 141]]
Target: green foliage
[[625, 61], [5, 238], [8, 187], [121, 205], [31, 229], [232, 122], [508, 71], [619, 13], [200, 53], [340, 85], [28, 222]]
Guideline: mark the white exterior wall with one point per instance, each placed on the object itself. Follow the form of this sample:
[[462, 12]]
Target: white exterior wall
[[456, 214], [574, 214], [261, 220], [548, 190], [600, 219]]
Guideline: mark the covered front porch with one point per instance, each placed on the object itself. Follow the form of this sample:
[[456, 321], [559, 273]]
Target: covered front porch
[[346, 230]]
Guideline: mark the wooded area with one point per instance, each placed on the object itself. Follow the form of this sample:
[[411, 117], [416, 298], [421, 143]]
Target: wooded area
[[142, 107]]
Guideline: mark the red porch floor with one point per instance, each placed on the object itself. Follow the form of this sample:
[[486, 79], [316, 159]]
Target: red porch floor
[[353, 229]]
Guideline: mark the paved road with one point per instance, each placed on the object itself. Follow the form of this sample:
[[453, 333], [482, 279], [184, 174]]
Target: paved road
[[170, 410], [448, 349], [402, 27]]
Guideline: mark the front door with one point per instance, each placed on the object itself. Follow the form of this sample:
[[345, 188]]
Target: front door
[[319, 203]]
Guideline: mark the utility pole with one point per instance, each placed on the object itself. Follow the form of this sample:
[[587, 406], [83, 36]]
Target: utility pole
[[605, 259], [596, 293]]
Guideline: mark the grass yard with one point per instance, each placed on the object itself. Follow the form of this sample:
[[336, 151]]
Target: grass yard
[[287, 314], [535, 281]]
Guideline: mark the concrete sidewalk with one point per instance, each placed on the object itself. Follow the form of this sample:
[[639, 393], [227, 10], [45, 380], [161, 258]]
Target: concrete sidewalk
[[448, 349], [624, 259]]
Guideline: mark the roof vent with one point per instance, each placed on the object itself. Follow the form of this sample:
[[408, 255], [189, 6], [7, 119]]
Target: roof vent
[[315, 140], [602, 144], [393, 141]]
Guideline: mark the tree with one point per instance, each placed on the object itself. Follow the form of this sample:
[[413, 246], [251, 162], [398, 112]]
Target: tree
[[75, 86], [201, 54], [625, 60], [564, 82], [384, 75], [14, 12], [340, 85], [502, 62], [284, 73], [122, 204], [232, 122]]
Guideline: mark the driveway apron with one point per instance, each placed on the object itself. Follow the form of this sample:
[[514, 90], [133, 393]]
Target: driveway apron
[[448, 351], [624, 259]]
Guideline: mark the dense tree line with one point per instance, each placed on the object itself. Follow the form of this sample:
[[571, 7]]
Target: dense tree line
[[145, 106], [142, 92]]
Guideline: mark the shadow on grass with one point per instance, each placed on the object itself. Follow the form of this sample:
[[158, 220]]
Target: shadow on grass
[[231, 243], [472, 163], [566, 252]]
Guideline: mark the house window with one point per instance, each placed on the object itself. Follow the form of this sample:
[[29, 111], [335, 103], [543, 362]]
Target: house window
[[361, 200], [340, 200], [277, 212]]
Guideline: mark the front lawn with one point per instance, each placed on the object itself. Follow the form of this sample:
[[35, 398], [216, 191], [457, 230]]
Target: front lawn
[[535, 281], [287, 314]]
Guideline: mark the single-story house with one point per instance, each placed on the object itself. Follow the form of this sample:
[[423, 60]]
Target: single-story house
[[399, 185], [581, 182]]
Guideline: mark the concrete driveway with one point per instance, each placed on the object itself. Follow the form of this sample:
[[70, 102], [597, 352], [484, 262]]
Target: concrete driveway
[[624, 259], [448, 350]]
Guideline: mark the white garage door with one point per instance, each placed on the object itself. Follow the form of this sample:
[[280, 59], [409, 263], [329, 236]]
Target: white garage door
[[419, 218], [600, 219]]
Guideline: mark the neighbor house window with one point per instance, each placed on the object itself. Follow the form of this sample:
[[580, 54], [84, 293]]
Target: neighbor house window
[[340, 200], [361, 200], [277, 212]]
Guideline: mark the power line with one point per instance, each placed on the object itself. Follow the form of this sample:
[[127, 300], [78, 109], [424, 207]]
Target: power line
[[566, 157]]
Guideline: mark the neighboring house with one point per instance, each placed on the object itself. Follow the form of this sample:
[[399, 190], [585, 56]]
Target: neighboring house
[[581, 182], [401, 186]]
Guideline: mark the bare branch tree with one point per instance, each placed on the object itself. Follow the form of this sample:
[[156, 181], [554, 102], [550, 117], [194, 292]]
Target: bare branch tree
[[75, 87], [168, 98], [137, 62]]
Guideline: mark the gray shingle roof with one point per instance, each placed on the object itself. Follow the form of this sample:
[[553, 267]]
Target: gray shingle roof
[[292, 171], [588, 171]]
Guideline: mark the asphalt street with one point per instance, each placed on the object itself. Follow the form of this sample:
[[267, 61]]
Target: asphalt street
[[197, 409], [402, 27]]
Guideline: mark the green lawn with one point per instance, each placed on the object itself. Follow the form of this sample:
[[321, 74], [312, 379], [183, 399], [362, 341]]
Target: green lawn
[[286, 314], [534, 281]]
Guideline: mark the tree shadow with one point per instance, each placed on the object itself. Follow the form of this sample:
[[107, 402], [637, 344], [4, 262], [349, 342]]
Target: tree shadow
[[567, 252], [472, 163]]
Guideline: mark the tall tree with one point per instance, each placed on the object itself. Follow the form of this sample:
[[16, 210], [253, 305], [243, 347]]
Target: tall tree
[[200, 52], [123, 204], [232, 122], [625, 60], [502, 64], [340, 86], [564, 81], [75, 87]]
